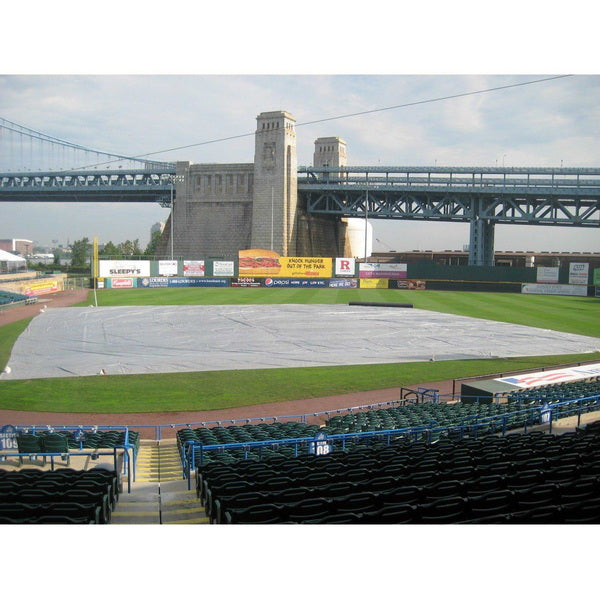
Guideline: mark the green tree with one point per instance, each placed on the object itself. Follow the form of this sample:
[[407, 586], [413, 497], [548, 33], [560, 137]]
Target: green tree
[[152, 244], [110, 250], [130, 248], [80, 252]]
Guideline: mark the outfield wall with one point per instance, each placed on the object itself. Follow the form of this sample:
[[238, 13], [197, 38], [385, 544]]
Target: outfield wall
[[345, 273]]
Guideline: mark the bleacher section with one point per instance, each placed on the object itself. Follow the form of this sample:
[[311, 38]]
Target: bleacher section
[[518, 478], [12, 297], [63, 496], [436, 419]]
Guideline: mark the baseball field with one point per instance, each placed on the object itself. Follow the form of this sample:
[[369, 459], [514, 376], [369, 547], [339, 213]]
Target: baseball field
[[208, 390]]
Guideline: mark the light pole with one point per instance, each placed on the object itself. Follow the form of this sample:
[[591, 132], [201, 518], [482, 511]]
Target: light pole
[[366, 216], [174, 180], [172, 217]]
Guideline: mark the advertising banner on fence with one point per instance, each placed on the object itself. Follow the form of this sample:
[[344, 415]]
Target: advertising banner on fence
[[265, 263], [547, 275], [596, 277], [406, 284], [198, 282], [167, 268], [579, 273], [345, 267], [46, 286], [153, 282], [343, 283], [122, 282], [383, 270], [304, 283], [554, 376], [554, 289], [193, 268], [374, 283], [246, 282], [223, 268], [124, 268]]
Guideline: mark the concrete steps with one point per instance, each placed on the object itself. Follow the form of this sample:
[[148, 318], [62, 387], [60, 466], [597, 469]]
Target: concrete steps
[[159, 495]]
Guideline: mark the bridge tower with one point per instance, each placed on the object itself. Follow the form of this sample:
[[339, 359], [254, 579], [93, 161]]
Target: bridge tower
[[275, 197], [330, 152]]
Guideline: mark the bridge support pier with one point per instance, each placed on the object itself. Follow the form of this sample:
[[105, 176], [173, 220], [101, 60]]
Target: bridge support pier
[[481, 245]]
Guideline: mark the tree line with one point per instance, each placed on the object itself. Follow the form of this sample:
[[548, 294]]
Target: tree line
[[81, 252]]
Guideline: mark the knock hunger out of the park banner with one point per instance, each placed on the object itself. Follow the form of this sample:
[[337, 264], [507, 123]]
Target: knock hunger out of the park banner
[[265, 263]]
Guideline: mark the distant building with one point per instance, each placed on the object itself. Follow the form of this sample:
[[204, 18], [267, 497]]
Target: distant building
[[157, 227], [21, 247]]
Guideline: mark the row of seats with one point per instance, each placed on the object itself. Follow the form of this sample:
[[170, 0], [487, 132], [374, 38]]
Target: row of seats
[[61, 443], [239, 434], [29, 495], [556, 392], [518, 473], [550, 504]]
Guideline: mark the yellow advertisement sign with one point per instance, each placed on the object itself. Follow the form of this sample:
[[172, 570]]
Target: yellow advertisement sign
[[374, 283], [42, 287], [265, 263]]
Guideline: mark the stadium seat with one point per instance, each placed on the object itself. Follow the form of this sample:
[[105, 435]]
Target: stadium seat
[[28, 443], [444, 511], [56, 443]]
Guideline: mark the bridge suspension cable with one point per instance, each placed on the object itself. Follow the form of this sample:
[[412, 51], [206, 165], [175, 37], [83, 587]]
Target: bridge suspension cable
[[51, 143]]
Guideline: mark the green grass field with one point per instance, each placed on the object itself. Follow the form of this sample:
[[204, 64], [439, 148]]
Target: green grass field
[[226, 389]]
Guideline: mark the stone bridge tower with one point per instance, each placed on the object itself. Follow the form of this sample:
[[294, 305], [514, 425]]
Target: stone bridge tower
[[220, 209], [275, 198]]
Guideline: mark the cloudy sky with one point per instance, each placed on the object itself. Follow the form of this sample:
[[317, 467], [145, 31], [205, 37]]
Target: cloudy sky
[[552, 123]]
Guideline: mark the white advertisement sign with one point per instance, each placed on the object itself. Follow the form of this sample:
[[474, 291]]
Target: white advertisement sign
[[223, 268], [345, 266], [167, 268], [556, 376], [547, 275], [127, 268], [554, 289], [193, 268], [378, 270], [579, 273]]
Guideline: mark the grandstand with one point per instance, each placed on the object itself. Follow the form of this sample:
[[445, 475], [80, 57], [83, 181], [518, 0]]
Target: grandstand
[[409, 462]]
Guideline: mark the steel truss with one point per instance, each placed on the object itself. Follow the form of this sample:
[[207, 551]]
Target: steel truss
[[150, 185], [479, 196]]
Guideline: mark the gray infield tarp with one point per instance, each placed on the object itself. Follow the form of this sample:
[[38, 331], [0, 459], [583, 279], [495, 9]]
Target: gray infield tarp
[[125, 340]]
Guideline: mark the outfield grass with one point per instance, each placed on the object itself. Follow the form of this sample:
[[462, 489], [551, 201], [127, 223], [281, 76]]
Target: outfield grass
[[227, 389]]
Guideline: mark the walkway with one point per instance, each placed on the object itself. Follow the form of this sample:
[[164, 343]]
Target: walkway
[[159, 495]]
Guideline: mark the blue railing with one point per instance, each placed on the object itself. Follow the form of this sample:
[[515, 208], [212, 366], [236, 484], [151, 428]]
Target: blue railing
[[129, 462], [93, 454]]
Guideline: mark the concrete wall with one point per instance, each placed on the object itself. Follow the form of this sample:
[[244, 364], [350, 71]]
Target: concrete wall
[[212, 211]]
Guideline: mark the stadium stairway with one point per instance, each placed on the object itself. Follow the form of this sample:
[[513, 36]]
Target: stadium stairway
[[159, 495]]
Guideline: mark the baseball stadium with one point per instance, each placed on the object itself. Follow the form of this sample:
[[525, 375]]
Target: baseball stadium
[[266, 367]]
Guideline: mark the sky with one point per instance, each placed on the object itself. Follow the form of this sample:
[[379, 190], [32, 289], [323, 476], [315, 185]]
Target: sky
[[551, 123]]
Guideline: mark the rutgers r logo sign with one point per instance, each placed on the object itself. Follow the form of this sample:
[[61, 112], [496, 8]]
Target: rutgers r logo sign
[[344, 266]]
